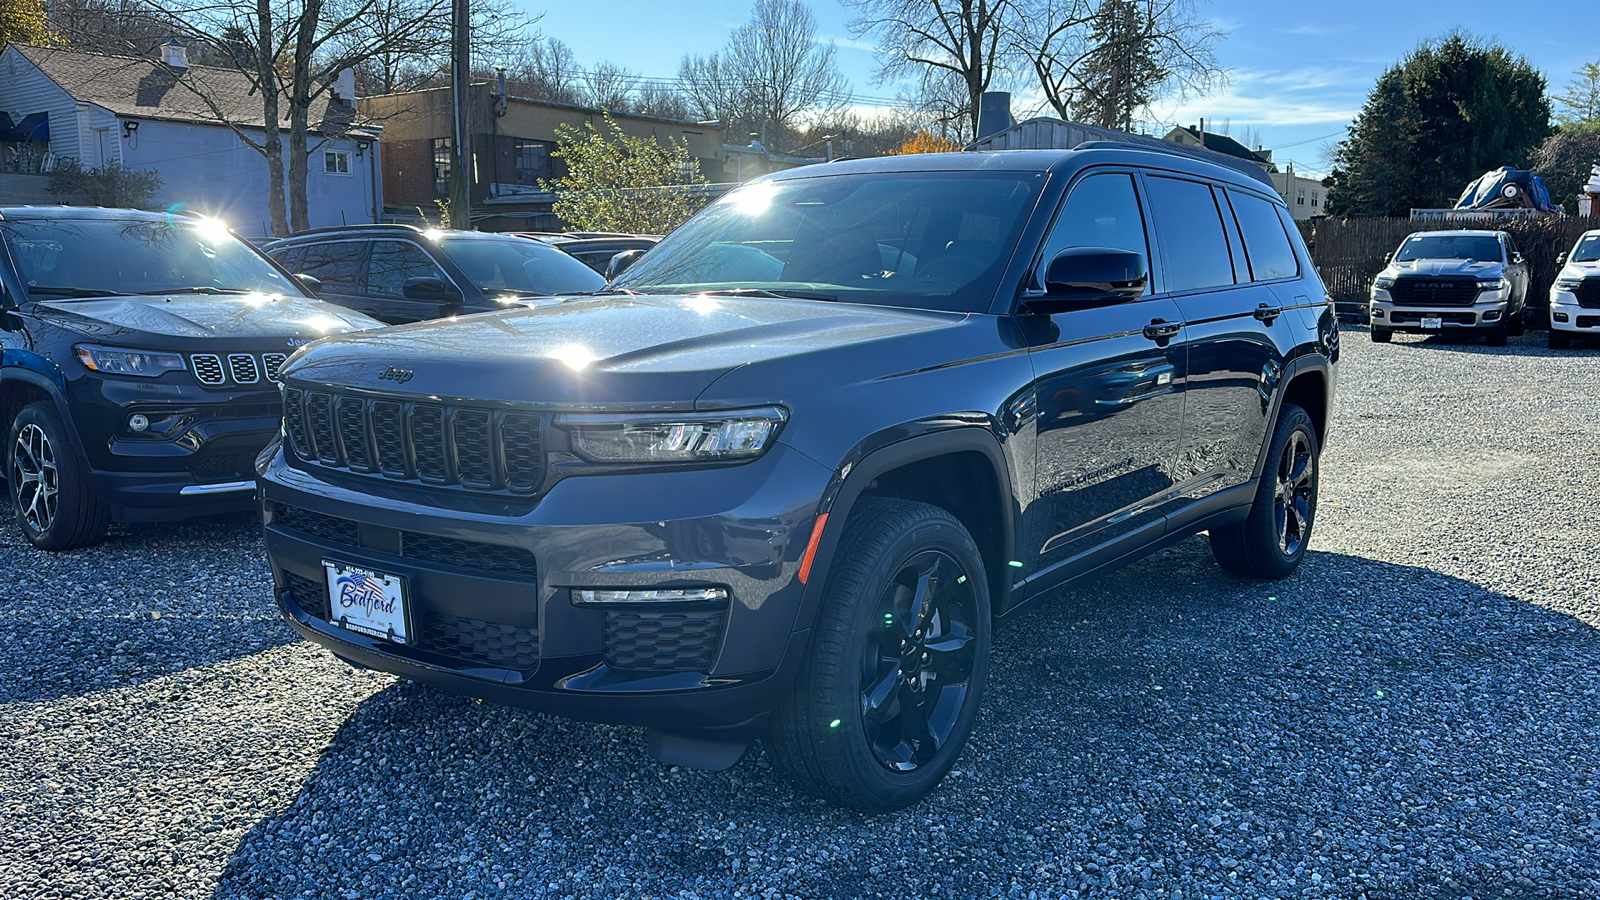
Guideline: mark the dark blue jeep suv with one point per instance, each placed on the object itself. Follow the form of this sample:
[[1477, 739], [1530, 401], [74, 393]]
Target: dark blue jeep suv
[[786, 474]]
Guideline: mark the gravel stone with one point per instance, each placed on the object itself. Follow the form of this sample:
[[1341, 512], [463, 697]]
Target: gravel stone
[[1415, 714]]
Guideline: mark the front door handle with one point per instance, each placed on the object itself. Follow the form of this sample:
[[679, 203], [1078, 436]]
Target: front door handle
[[1161, 331], [1268, 314]]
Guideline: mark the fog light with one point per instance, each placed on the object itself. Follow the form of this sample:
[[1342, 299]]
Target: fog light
[[137, 423], [1491, 315], [1559, 317], [1377, 313], [666, 595]]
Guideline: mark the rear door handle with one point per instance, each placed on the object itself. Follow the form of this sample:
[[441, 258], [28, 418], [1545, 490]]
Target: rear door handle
[[1267, 313], [1161, 331]]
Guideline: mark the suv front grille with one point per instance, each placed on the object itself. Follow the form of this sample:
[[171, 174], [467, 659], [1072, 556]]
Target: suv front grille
[[440, 444], [1434, 290], [647, 641], [272, 364], [496, 560], [207, 368], [1588, 292], [211, 369], [243, 367]]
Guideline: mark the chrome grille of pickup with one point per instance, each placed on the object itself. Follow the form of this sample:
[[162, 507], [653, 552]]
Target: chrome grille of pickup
[[451, 445], [1434, 290]]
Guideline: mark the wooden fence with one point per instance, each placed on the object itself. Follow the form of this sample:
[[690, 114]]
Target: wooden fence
[[1349, 253]]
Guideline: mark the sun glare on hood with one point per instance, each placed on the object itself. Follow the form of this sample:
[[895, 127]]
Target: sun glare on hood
[[576, 356]]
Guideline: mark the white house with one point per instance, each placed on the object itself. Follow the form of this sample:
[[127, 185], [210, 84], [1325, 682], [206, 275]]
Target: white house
[[170, 117]]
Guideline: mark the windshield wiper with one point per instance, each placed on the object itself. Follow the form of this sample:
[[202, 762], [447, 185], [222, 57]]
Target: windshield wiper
[[196, 289], [780, 293], [75, 293]]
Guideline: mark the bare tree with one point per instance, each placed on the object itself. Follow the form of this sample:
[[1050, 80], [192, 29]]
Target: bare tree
[[654, 99], [771, 73], [918, 39], [405, 60], [608, 86], [545, 70]]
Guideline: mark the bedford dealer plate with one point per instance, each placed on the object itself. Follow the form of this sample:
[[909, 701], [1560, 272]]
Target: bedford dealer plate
[[369, 602], [1432, 322]]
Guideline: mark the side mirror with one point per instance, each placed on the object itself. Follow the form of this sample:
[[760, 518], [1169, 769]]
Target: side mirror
[[310, 282], [1561, 259], [1087, 277], [10, 321], [1516, 257], [621, 261], [427, 288]]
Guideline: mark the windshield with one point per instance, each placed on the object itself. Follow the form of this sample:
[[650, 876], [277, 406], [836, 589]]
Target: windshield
[[81, 257], [1477, 247], [931, 240], [520, 265], [1588, 249]]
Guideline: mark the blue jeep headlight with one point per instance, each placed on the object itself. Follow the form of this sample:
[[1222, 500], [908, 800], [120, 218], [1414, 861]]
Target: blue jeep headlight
[[673, 438], [128, 362]]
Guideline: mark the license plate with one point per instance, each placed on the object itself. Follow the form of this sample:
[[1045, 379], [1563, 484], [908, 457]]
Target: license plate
[[1432, 322], [368, 602]]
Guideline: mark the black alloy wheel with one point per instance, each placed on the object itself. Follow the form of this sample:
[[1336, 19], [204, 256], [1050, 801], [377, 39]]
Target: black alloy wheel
[[916, 669], [899, 654], [1271, 540], [1294, 494]]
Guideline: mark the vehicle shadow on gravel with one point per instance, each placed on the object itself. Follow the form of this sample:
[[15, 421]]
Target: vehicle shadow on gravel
[[1531, 344], [150, 601], [1362, 729]]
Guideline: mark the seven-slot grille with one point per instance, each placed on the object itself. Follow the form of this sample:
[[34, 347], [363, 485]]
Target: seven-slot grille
[[434, 443], [1588, 292], [1434, 290], [241, 368]]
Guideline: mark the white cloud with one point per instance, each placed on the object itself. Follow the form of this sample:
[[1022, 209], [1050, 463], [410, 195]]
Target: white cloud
[[1307, 96]]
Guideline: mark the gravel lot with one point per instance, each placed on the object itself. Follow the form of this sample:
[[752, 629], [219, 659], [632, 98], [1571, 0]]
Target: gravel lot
[[1416, 714]]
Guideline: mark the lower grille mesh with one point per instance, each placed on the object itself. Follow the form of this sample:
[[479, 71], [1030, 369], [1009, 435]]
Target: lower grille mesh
[[644, 641]]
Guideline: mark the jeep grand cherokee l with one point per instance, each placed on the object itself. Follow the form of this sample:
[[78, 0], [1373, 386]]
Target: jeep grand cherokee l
[[788, 475], [1451, 280], [1575, 296], [139, 354]]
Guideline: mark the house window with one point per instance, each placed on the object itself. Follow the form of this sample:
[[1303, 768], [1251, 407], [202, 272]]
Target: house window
[[1313, 198], [336, 162], [1300, 197], [532, 159], [441, 167]]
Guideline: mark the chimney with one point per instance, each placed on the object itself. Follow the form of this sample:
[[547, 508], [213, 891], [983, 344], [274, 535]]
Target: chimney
[[344, 87], [994, 113], [175, 54]]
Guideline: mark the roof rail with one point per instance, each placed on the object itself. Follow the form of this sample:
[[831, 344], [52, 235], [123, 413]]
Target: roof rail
[[1173, 148]]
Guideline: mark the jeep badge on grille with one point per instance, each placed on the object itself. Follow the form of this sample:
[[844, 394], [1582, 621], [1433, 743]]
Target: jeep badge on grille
[[395, 374]]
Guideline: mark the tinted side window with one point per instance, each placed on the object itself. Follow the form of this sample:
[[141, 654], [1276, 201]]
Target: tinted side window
[[392, 263], [290, 259], [337, 265], [1102, 211], [1190, 229], [1265, 243]]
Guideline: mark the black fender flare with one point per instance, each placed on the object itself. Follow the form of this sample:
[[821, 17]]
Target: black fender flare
[[36, 371], [890, 450], [1296, 367]]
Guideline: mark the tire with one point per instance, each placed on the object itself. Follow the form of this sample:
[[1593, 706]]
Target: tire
[[1272, 539], [1382, 335], [1499, 334], [1560, 340], [886, 700], [1517, 325], [49, 486]]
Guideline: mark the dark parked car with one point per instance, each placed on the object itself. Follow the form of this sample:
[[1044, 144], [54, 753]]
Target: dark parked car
[[399, 273], [139, 357], [595, 250], [789, 474]]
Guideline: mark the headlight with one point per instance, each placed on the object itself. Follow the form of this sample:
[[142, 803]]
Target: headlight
[[1568, 284], [1383, 282], [128, 362], [1493, 284], [667, 438]]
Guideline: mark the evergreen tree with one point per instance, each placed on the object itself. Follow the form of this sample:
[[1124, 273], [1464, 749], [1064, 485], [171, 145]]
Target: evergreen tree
[[1122, 73], [1447, 113], [1582, 97]]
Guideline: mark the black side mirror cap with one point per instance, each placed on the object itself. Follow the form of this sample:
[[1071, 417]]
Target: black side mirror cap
[[1561, 259], [1516, 258], [426, 288], [620, 262], [1089, 277], [311, 283]]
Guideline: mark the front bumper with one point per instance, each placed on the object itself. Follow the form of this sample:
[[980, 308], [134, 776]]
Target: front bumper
[[490, 584], [1483, 314], [1567, 315], [196, 458]]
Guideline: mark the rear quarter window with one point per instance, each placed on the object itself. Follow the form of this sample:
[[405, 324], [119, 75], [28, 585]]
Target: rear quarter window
[[1266, 244], [1189, 226]]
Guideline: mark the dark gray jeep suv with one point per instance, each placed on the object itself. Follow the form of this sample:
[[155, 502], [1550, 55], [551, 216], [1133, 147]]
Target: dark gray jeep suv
[[787, 475]]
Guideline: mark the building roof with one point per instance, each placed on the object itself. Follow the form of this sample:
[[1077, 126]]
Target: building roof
[[139, 88], [1221, 143]]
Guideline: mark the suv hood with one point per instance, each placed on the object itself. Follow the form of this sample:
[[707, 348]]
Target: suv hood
[[1447, 267], [648, 352], [146, 321]]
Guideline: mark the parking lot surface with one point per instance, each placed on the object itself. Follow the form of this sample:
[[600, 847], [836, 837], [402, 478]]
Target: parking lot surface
[[1415, 714]]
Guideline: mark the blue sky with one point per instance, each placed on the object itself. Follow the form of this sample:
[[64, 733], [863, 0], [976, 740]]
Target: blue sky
[[1299, 72]]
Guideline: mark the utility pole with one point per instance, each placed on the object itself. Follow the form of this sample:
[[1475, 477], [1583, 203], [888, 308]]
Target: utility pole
[[461, 144]]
